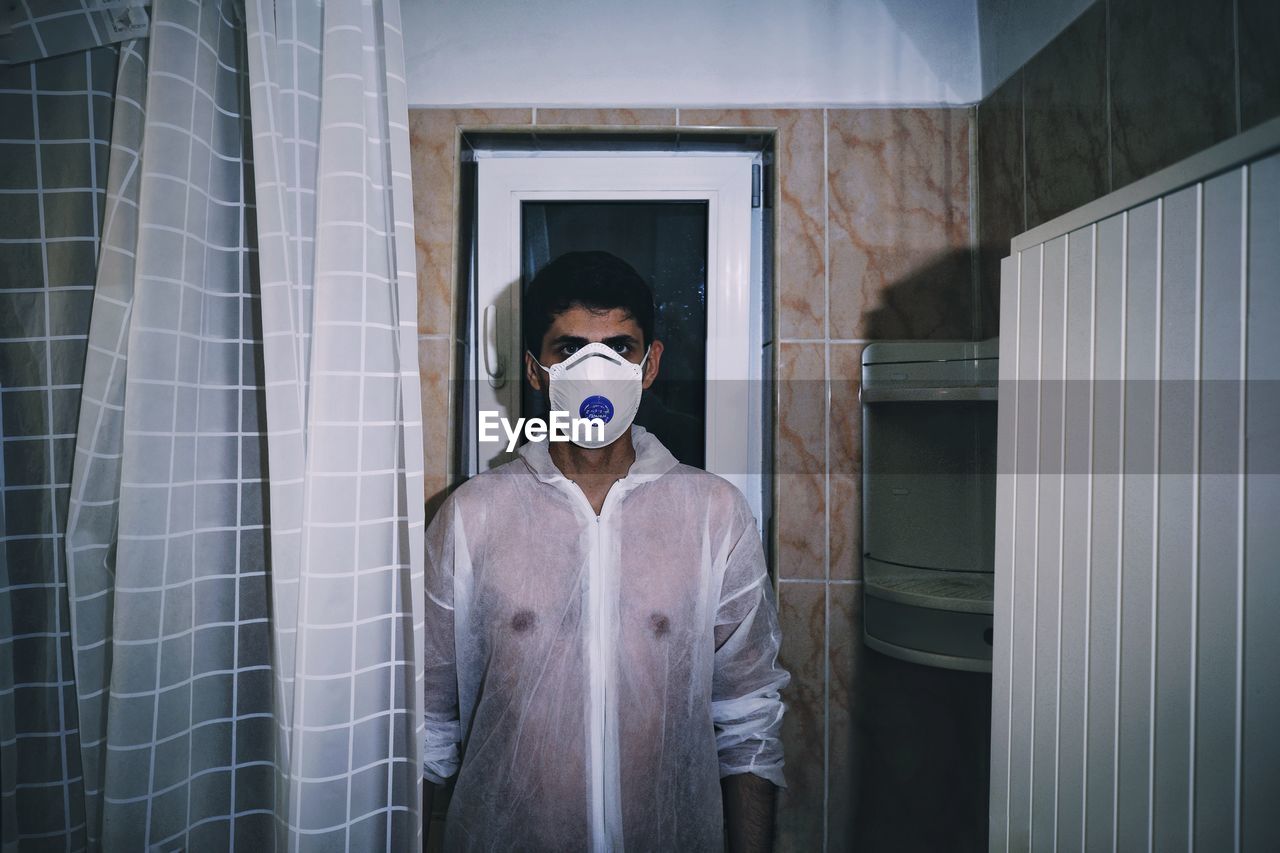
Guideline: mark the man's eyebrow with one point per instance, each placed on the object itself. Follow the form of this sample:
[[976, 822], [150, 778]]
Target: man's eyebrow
[[569, 339], [620, 339]]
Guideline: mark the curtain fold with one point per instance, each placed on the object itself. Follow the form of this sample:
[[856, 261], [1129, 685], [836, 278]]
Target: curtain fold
[[244, 537], [53, 166], [165, 539], [339, 311]]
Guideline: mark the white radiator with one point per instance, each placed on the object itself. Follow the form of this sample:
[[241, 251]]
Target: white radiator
[[1136, 673]]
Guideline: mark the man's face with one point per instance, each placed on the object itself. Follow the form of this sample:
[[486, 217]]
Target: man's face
[[578, 326]]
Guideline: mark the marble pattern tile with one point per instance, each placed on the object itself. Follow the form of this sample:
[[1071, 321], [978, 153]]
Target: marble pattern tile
[[433, 365], [844, 656], [800, 461], [1172, 82], [433, 160], [802, 618], [845, 547], [1001, 196], [605, 117], [1259, 29], [1065, 98], [800, 207], [901, 264]]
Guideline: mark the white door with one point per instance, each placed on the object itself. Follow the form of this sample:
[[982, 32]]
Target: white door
[[512, 189]]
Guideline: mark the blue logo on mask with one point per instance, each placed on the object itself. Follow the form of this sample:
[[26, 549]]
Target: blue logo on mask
[[596, 406]]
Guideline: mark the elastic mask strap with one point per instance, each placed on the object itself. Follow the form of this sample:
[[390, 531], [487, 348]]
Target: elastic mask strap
[[547, 370]]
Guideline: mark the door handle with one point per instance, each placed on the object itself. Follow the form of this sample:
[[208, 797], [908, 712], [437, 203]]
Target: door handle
[[493, 365]]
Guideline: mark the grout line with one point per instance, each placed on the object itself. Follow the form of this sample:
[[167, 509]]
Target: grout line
[[1022, 140], [826, 713], [715, 106], [837, 582], [827, 340], [826, 477], [1106, 88], [975, 268], [1235, 47]]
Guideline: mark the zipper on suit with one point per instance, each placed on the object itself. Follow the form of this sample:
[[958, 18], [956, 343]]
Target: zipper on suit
[[605, 835], [599, 690]]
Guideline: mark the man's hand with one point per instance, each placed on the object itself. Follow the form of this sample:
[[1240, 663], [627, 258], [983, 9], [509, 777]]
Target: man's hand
[[748, 813]]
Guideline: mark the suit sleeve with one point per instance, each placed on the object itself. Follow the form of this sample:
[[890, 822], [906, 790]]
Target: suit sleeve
[[746, 707], [440, 755]]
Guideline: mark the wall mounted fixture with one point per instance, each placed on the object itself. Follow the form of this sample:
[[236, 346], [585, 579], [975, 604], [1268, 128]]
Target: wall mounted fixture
[[928, 451]]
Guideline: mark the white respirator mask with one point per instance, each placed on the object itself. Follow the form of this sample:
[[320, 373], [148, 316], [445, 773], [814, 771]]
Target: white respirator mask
[[597, 383]]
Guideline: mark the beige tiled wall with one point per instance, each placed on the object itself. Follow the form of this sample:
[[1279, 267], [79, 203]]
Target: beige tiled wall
[[873, 241], [433, 155]]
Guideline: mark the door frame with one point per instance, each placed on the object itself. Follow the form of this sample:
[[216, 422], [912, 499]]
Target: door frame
[[734, 293]]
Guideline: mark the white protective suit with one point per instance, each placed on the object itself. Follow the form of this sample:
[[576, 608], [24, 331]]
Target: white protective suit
[[595, 677]]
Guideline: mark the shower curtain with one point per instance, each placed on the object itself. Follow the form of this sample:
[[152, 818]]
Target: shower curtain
[[243, 565]]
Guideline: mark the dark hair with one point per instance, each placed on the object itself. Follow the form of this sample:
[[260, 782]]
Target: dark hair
[[598, 281]]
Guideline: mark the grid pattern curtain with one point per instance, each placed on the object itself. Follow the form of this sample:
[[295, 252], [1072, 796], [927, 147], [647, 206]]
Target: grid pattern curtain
[[165, 538], [331, 155], [55, 127], [245, 519]]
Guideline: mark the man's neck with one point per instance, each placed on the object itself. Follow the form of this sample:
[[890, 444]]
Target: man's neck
[[594, 470]]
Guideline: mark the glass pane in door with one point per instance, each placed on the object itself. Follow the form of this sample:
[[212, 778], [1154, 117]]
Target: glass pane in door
[[666, 243]]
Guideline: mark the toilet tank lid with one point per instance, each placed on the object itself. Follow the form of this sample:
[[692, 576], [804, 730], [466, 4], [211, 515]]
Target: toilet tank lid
[[900, 352]]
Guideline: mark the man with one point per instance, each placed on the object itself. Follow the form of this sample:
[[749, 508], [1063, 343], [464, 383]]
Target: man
[[601, 636]]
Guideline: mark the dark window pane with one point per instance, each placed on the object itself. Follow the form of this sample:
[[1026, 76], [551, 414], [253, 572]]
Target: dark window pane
[[666, 242]]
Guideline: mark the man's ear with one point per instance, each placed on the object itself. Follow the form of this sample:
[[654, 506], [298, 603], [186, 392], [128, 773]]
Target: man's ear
[[532, 371], [651, 366]]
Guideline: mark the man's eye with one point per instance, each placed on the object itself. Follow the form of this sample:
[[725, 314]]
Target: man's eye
[[568, 349], [621, 349]]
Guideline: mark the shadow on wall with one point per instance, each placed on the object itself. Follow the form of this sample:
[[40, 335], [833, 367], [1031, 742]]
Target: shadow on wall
[[921, 757], [920, 750], [434, 502], [935, 301]]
